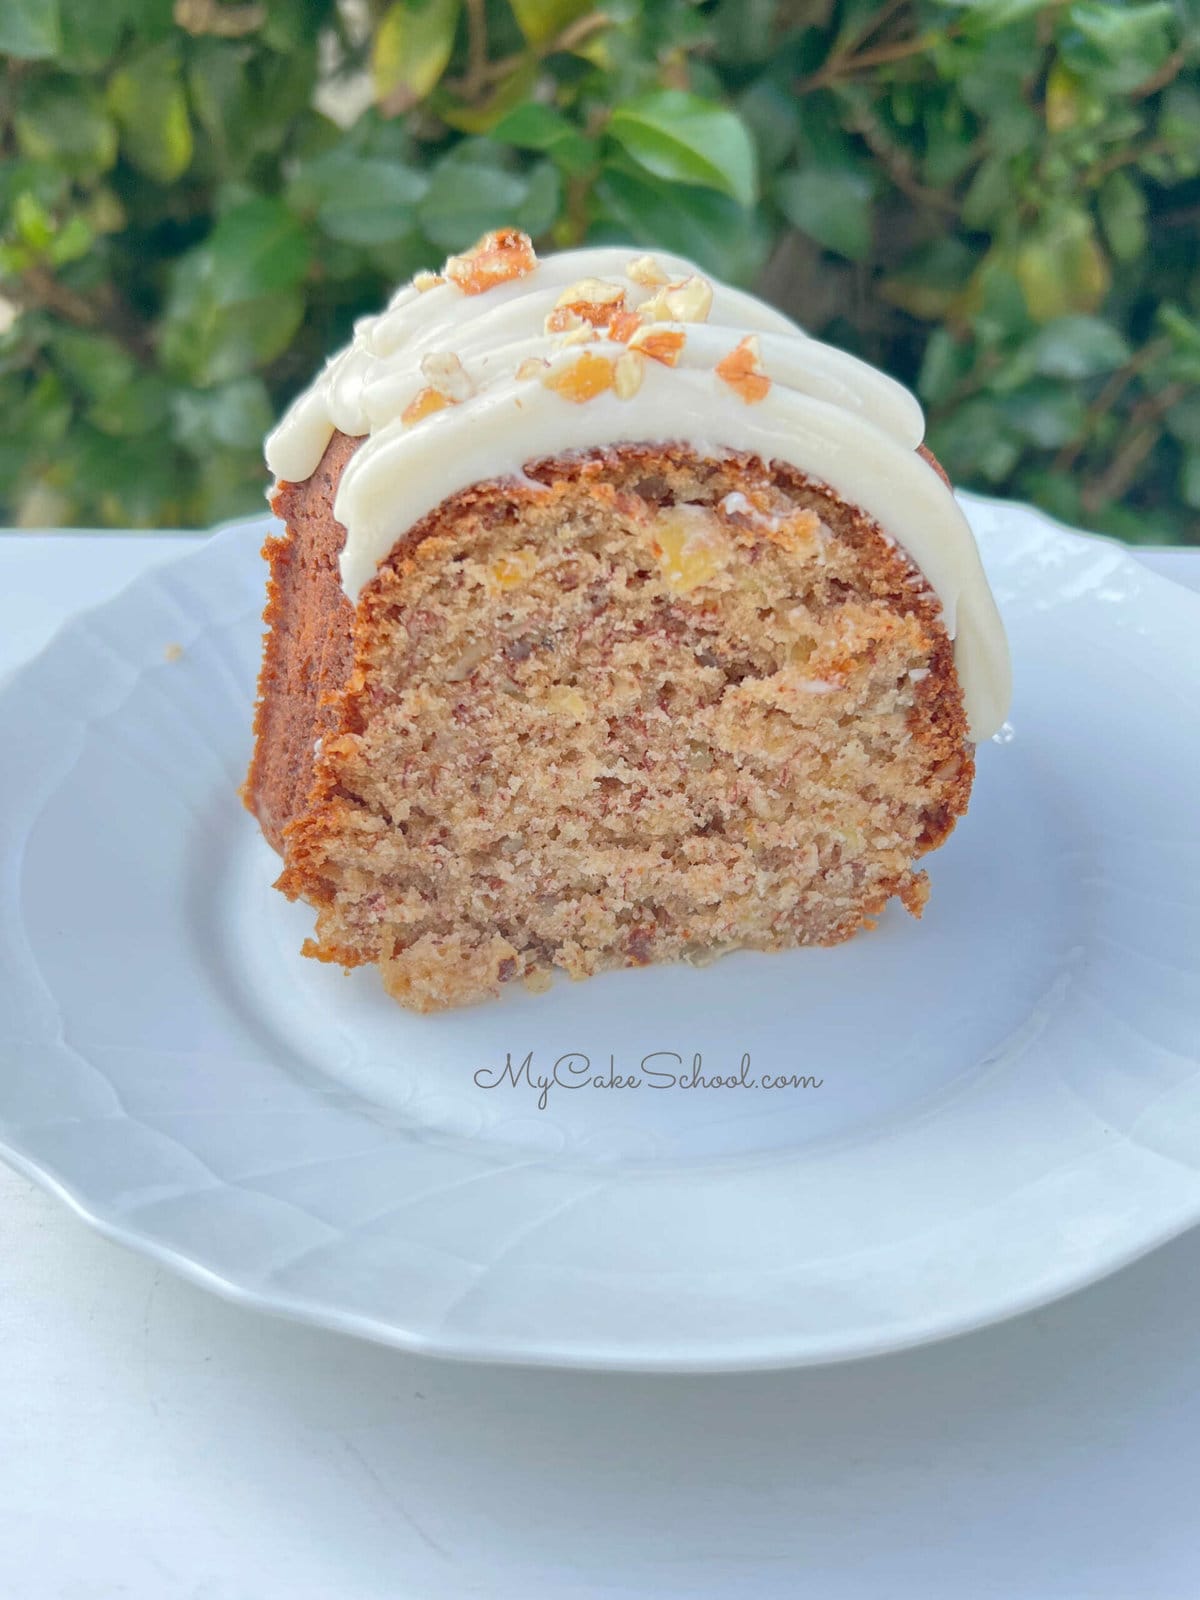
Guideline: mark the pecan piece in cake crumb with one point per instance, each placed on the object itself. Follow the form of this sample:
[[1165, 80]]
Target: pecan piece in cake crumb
[[742, 370], [690, 546], [507, 571], [499, 257]]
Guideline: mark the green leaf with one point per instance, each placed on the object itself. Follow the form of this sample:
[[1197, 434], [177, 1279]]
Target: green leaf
[[412, 49], [226, 417], [148, 101], [1061, 268], [1189, 480], [769, 111], [949, 148], [997, 13], [47, 411], [1070, 102], [1054, 493], [360, 200], [289, 26], [256, 249], [1184, 330], [484, 115], [679, 137], [29, 29], [224, 100], [1079, 347], [132, 479], [234, 301], [1179, 120], [65, 123], [72, 241], [1118, 47], [989, 196], [207, 344], [33, 224], [147, 20], [543, 20], [745, 30], [543, 200], [1183, 420], [97, 363], [139, 407], [944, 365], [1049, 415], [976, 440], [931, 281], [832, 205], [705, 226], [1123, 216], [537, 127], [466, 199], [90, 33]]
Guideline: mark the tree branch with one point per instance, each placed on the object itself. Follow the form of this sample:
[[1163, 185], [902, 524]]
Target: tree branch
[[1143, 435], [38, 289], [1167, 73], [489, 72], [898, 164]]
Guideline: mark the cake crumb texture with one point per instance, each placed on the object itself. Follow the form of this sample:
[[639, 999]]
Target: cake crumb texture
[[636, 706]]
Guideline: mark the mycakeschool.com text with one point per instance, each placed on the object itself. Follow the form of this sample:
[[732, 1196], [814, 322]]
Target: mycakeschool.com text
[[661, 1069]]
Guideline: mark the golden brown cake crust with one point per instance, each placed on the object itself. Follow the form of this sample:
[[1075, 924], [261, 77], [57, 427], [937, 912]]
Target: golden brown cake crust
[[308, 647], [329, 683]]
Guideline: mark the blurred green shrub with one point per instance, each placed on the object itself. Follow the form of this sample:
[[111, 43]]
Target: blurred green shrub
[[998, 201]]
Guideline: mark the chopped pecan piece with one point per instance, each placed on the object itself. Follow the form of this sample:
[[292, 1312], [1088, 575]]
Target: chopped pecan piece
[[499, 257], [742, 370]]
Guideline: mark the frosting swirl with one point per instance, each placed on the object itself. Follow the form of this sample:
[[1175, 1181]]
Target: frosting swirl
[[465, 378]]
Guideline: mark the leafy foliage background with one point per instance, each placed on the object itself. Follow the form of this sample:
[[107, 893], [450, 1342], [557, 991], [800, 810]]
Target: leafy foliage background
[[997, 201]]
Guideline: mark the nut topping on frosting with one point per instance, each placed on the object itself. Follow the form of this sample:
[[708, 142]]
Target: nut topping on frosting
[[646, 271], [591, 291], [689, 301], [597, 306], [424, 404], [447, 375], [623, 326], [577, 332], [742, 370], [660, 344], [586, 377], [650, 332], [499, 257], [628, 373]]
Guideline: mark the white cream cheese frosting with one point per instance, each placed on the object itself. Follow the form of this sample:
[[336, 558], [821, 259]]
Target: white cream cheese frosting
[[502, 385]]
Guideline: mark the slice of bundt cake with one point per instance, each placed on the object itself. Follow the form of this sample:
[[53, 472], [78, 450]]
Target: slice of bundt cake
[[614, 621]]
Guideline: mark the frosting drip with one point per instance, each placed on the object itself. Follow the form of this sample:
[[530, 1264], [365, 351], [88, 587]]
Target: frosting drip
[[451, 388]]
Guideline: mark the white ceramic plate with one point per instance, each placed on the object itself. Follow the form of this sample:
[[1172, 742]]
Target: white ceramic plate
[[1009, 1096]]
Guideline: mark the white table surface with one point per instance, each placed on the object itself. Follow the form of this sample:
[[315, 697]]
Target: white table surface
[[158, 1444]]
